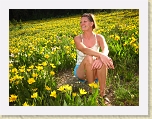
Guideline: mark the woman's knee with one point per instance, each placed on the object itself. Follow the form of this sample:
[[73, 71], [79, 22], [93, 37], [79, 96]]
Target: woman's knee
[[103, 69], [88, 59]]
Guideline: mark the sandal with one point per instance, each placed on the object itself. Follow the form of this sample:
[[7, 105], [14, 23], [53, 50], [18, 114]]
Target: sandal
[[106, 99]]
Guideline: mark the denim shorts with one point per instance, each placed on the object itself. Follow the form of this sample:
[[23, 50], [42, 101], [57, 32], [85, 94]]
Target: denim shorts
[[81, 80]]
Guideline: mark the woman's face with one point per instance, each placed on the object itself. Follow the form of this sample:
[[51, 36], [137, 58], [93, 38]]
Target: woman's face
[[85, 24]]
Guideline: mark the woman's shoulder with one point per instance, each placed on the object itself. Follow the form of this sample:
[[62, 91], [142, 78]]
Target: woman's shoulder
[[77, 37], [100, 36]]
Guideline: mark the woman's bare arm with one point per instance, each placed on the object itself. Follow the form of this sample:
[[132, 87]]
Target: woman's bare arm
[[80, 46], [102, 55], [103, 44]]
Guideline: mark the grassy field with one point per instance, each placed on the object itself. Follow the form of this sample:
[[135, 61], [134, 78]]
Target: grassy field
[[39, 50]]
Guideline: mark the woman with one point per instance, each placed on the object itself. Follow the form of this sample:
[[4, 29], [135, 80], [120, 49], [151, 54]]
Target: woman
[[91, 64]]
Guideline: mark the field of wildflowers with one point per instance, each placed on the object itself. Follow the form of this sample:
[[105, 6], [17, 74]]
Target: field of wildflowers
[[38, 50]]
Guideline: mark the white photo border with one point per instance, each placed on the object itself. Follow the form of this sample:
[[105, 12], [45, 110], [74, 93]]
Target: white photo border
[[142, 109]]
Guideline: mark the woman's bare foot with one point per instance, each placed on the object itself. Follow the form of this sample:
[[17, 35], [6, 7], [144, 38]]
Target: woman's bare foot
[[102, 93]]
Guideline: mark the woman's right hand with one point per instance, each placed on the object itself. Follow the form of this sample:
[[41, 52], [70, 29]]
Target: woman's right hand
[[107, 61]]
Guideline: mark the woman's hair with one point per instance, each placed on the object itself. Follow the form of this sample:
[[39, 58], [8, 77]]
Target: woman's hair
[[91, 19]]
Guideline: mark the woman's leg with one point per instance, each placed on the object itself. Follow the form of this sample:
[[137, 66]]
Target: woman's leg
[[84, 71], [102, 75]]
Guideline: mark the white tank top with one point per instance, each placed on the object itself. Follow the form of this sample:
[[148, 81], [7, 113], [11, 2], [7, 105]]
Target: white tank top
[[81, 55]]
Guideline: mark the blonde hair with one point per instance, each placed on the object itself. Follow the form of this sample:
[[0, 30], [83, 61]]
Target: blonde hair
[[91, 19]]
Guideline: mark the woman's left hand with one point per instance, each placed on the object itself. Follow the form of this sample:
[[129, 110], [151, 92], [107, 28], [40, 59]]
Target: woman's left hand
[[97, 64]]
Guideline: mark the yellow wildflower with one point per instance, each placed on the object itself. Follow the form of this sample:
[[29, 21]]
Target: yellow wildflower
[[111, 36], [93, 85], [25, 104], [52, 73], [34, 95], [67, 87], [29, 70], [61, 88], [73, 55], [12, 98], [74, 94], [117, 38], [31, 80], [67, 47], [133, 40], [11, 80], [42, 50], [44, 63], [47, 88], [10, 65], [17, 82], [34, 75], [67, 51], [53, 94], [46, 56], [29, 54], [124, 44], [16, 77], [34, 89], [31, 67], [14, 70], [136, 51], [39, 67], [72, 42], [52, 52], [82, 91], [52, 65], [135, 45], [23, 67], [22, 70]]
